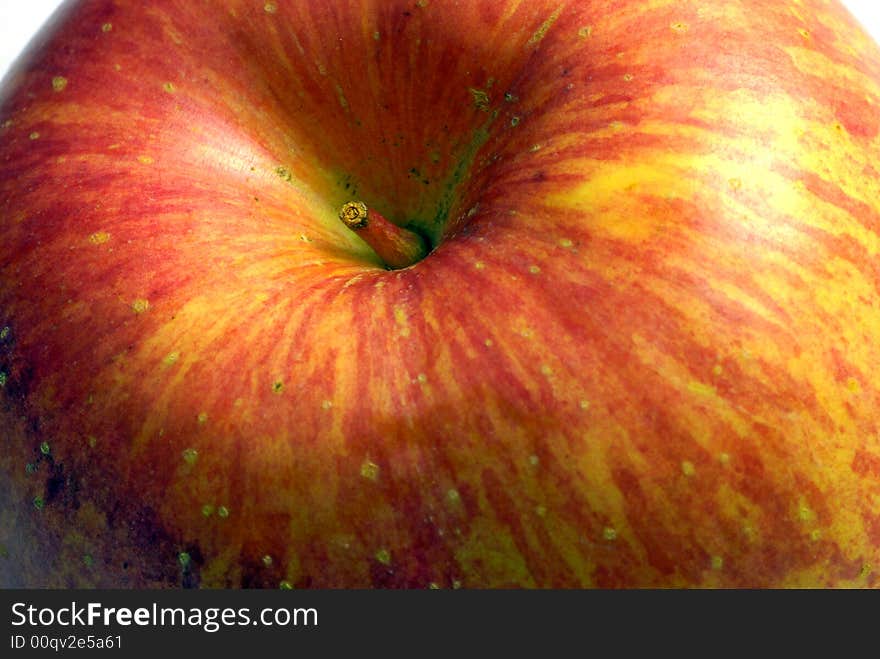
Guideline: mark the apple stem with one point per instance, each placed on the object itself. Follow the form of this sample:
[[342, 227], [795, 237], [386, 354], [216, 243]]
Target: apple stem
[[396, 246]]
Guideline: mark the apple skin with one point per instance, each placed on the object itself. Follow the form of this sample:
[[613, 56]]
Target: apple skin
[[643, 352]]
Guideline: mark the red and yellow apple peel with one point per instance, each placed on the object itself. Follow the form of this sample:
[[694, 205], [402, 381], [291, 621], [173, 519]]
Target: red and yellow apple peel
[[641, 351]]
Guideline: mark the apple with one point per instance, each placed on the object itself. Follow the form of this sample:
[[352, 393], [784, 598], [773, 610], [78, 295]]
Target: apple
[[614, 320]]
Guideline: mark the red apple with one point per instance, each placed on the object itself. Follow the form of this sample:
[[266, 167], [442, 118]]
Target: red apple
[[642, 351]]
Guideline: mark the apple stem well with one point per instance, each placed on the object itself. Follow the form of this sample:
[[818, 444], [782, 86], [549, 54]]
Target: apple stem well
[[396, 246]]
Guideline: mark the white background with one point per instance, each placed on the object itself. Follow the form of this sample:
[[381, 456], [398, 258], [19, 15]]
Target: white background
[[20, 19]]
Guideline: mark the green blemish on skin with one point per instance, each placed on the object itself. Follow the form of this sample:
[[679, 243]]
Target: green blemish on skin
[[4, 333], [346, 183], [804, 513], [609, 533], [383, 556], [59, 83], [39, 503], [414, 173], [3, 378], [514, 121], [34, 136], [370, 470], [277, 387], [169, 87], [285, 585], [4, 552], [283, 173], [376, 35], [31, 468], [223, 512], [184, 559], [44, 448], [207, 510], [106, 27], [465, 161], [88, 560], [340, 95], [541, 32], [92, 441], [511, 98], [267, 560], [190, 456], [202, 418], [140, 305], [480, 98], [270, 7]]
